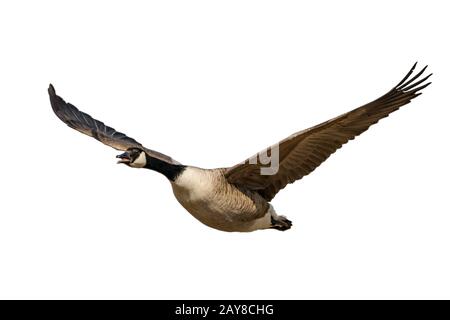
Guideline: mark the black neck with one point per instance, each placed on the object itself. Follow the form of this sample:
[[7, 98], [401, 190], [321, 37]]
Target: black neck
[[171, 171]]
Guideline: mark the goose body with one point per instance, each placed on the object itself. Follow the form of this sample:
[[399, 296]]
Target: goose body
[[238, 198], [208, 196]]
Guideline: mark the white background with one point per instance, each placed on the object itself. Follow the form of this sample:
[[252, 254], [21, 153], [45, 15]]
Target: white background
[[210, 83]]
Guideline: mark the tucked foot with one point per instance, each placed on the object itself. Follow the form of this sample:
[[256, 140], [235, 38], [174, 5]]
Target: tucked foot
[[281, 223]]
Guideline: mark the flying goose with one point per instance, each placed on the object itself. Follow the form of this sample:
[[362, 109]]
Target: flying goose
[[238, 198]]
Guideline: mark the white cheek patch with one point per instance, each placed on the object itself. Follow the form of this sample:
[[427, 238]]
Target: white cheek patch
[[140, 161]]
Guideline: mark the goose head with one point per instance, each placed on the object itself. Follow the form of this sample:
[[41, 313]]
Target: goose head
[[133, 157]]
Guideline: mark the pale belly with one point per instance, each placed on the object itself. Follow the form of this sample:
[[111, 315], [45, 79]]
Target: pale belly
[[221, 218], [226, 211]]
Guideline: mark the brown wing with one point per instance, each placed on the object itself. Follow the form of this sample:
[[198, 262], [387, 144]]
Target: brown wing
[[84, 123], [302, 152]]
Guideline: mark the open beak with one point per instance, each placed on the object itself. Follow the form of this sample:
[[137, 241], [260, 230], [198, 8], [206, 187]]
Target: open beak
[[124, 158]]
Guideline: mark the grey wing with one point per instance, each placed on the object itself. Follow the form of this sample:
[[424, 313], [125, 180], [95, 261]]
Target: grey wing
[[302, 152], [84, 123]]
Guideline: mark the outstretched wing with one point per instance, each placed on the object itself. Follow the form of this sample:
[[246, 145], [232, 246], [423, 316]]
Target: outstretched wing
[[302, 152], [84, 123]]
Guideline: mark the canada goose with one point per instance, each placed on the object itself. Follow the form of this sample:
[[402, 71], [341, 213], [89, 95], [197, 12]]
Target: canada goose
[[237, 198]]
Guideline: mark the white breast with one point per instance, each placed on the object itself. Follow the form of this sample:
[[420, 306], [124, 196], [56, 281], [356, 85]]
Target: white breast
[[198, 191], [194, 184]]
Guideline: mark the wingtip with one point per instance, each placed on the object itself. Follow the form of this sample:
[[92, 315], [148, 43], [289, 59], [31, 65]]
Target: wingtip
[[426, 85], [51, 90]]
